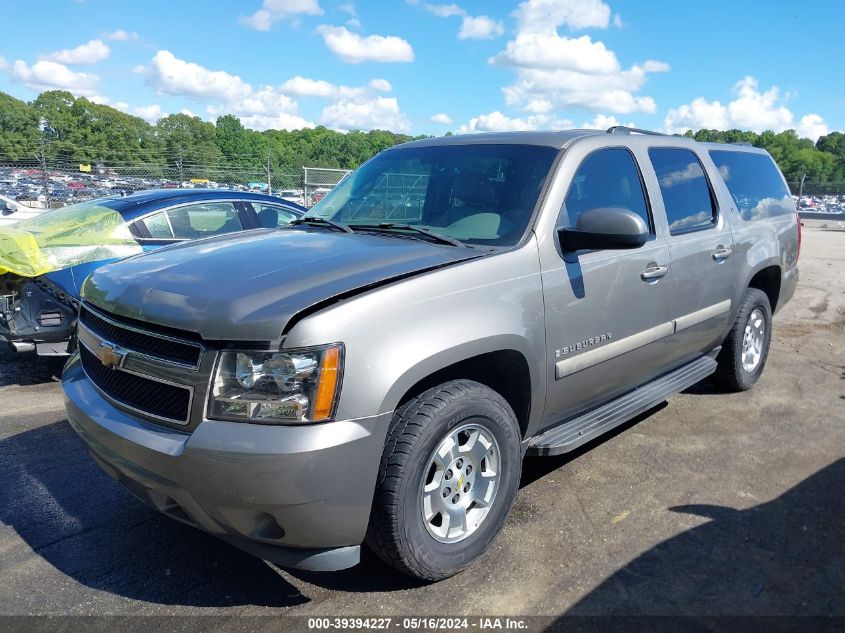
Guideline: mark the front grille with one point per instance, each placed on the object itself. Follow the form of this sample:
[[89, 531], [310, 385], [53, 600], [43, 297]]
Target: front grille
[[149, 344], [147, 396]]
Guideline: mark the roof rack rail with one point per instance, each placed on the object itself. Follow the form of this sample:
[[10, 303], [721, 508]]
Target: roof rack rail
[[624, 129]]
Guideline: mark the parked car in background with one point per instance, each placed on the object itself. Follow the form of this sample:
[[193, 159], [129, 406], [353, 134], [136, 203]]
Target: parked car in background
[[358, 378], [45, 259], [13, 211]]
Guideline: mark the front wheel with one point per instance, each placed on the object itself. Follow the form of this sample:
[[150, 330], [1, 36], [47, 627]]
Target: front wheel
[[746, 348], [447, 479]]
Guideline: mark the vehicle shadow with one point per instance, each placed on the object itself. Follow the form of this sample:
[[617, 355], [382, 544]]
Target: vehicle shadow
[[782, 557], [28, 368], [91, 529]]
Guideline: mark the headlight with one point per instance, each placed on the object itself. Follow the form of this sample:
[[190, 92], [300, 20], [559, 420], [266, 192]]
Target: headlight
[[272, 387]]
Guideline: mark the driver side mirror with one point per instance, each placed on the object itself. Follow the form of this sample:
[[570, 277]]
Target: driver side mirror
[[8, 209], [605, 228]]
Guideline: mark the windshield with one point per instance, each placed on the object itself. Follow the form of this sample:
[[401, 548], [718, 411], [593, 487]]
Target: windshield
[[478, 194]]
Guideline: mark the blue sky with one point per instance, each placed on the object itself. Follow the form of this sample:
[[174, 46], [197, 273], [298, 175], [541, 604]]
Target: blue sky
[[430, 67]]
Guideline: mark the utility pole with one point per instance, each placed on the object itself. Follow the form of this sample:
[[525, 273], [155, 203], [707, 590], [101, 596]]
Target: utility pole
[[42, 159], [179, 167], [269, 170]]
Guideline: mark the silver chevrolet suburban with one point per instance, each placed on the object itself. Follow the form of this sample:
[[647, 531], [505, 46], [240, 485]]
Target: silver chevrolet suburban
[[376, 373]]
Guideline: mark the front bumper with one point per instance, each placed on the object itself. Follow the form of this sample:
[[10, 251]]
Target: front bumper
[[40, 316], [299, 496]]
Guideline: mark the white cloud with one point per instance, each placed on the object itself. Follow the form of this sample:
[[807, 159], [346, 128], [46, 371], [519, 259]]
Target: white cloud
[[382, 85], [263, 109], [99, 99], [274, 10], [278, 121], [354, 49], [380, 113], [304, 87], [498, 122], [187, 112], [812, 126], [539, 106], [3, 63], [603, 121], [173, 76], [550, 50], [444, 10], [758, 110], [480, 27], [751, 109], [442, 118], [84, 54], [48, 75], [348, 8], [355, 23], [537, 16], [150, 113], [119, 35], [612, 92], [121, 105], [560, 71]]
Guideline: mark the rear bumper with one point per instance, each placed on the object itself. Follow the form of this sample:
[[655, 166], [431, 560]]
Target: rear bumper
[[298, 496]]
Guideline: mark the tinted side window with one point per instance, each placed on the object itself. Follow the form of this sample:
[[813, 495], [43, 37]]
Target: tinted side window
[[272, 216], [755, 184], [685, 190], [157, 226], [606, 178], [201, 220]]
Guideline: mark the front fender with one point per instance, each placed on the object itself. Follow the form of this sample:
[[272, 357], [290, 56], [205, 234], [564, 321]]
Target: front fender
[[399, 334]]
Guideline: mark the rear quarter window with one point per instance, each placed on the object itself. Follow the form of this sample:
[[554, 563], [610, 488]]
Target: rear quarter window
[[755, 184]]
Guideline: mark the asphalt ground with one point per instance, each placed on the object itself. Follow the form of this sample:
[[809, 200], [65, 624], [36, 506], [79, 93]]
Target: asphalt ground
[[710, 504]]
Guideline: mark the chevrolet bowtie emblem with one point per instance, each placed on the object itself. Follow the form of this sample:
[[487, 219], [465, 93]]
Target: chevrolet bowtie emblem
[[111, 355]]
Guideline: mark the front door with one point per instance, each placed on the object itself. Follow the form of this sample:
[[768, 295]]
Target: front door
[[606, 312]]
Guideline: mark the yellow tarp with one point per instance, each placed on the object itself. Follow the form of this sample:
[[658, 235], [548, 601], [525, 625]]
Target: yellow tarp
[[65, 237]]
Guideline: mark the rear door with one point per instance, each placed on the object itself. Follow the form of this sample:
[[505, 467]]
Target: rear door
[[700, 242], [605, 310]]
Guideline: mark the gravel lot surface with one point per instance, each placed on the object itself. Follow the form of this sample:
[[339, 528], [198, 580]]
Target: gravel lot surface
[[710, 504]]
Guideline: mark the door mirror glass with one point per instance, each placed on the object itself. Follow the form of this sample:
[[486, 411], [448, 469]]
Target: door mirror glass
[[605, 228]]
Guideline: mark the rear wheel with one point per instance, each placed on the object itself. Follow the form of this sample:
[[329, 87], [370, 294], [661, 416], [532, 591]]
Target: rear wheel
[[746, 348], [447, 480]]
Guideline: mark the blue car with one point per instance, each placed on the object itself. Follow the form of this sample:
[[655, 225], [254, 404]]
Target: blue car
[[44, 260]]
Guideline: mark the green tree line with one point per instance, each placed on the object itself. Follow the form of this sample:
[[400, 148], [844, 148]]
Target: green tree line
[[80, 131]]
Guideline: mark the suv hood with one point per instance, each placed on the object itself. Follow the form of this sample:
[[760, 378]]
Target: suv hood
[[247, 286]]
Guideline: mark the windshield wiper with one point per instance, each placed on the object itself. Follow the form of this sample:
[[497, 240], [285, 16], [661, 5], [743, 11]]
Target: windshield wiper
[[387, 227], [320, 221]]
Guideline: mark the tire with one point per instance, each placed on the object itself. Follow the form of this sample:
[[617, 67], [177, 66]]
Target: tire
[[733, 373], [449, 414]]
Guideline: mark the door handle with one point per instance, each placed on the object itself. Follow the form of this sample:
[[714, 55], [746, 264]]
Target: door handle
[[653, 273], [721, 254]]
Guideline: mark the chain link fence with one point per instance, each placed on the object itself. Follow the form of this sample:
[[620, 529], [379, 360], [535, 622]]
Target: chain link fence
[[318, 181], [56, 182]]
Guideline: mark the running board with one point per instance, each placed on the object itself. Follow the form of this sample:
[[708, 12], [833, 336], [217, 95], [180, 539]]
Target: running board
[[572, 434]]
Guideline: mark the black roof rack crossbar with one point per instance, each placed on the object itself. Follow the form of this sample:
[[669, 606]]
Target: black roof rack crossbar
[[624, 129]]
